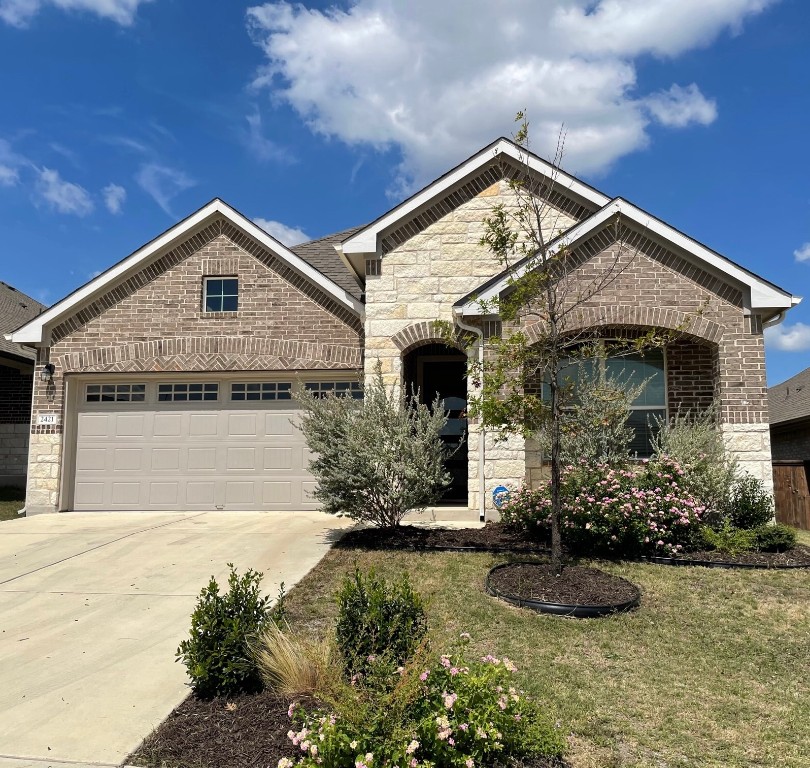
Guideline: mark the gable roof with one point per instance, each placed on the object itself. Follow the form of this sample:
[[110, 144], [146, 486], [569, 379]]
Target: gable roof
[[366, 239], [790, 400], [322, 255], [34, 332], [763, 295], [15, 309]]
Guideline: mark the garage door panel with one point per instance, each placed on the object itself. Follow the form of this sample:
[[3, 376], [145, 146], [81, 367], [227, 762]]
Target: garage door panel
[[200, 493], [189, 455], [94, 425], [91, 459], [203, 424], [127, 459], [202, 459], [126, 494], [277, 424], [278, 458], [167, 425], [165, 459]]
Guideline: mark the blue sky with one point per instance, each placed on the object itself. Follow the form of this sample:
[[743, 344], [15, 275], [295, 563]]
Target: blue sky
[[120, 117]]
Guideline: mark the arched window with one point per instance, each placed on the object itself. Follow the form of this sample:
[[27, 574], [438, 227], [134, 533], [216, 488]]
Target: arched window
[[632, 369]]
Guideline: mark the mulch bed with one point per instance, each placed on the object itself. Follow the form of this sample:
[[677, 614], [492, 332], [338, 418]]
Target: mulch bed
[[575, 586], [498, 537], [493, 537], [245, 731]]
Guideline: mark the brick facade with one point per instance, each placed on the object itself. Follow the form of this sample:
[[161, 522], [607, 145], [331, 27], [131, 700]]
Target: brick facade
[[154, 322], [791, 442]]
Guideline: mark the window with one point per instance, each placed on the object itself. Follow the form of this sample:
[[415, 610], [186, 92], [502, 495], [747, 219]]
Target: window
[[115, 393], [261, 390], [221, 294], [650, 406], [353, 389], [183, 392]]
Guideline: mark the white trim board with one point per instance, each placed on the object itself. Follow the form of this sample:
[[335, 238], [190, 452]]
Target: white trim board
[[34, 331], [366, 240], [763, 295]]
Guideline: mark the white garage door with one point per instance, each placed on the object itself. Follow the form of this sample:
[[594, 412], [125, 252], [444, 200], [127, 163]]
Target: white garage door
[[192, 445]]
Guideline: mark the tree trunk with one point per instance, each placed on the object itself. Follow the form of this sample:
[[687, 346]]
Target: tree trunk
[[556, 500]]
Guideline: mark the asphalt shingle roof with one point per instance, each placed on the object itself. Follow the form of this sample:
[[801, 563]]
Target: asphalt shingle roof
[[322, 255], [790, 400], [16, 309]]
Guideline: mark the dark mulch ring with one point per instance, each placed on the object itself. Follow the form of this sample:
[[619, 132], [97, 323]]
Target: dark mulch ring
[[245, 731], [499, 537], [575, 586]]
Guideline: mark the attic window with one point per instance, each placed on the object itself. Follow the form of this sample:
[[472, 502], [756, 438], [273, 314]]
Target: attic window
[[220, 294]]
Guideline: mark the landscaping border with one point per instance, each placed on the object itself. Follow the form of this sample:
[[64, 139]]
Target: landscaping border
[[561, 609], [720, 564]]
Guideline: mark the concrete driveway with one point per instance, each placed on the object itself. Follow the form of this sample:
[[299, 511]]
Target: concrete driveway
[[93, 606]]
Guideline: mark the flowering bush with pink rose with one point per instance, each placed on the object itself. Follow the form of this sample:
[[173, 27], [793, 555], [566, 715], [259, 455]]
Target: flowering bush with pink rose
[[448, 713], [625, 511]]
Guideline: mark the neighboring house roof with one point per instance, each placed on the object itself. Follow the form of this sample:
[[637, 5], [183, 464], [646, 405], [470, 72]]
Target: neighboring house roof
[[322, 255], [763, 296], [15, 309], [790, 400], [366, 239], [34, 332]]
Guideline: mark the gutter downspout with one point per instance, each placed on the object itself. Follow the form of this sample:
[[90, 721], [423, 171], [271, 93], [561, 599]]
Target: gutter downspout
[[482, 432], [775, 320]]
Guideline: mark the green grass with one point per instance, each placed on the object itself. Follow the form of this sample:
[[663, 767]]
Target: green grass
[[11, 500], [710, 671]]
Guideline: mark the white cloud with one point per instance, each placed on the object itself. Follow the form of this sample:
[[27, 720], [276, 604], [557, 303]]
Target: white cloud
[[803, 253], [8, 176], [114, 197], [678, 107], [788, 338], [287, 235], [259, 145], [163, 184], [438, 80], [63, 196], [18, 13]]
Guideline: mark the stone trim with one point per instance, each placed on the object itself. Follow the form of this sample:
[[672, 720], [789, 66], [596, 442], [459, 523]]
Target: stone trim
[[495, 172], [207, 353]]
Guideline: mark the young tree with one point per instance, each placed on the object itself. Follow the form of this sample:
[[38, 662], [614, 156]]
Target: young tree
[[376, 459], [520, 387]]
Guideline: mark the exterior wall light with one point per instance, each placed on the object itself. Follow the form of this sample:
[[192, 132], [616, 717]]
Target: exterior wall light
[[46, 374]]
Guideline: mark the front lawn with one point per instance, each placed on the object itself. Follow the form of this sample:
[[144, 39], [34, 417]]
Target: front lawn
[[11, 500], [711, 671]]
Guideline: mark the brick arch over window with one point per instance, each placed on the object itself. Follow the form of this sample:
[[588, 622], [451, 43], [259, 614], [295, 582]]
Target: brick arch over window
[[207, 353], [690, 325], [420, 334]]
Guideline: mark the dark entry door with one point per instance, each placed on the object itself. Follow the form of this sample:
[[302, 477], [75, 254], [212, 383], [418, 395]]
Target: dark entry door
[[445, 376]]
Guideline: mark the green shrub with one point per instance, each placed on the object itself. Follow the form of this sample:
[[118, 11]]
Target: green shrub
[[750, 504], [695, 442], [449, 713], [217, 653], [377, 459], [774, 538], [379, 624], [729, 539]]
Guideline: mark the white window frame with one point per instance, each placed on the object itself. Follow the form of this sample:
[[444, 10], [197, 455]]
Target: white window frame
[[209, 278]]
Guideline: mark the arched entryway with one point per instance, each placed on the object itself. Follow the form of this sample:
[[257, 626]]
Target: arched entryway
[[437, 369]]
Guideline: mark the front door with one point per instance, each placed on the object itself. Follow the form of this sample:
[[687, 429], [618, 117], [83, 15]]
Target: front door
[[445, 376]]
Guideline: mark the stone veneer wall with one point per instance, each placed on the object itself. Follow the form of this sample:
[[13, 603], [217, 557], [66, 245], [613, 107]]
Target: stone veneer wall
[[154, 322], [15, 415], [418, 281]]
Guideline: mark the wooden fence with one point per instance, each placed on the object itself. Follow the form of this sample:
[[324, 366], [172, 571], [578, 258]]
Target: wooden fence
[[791, 487]]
